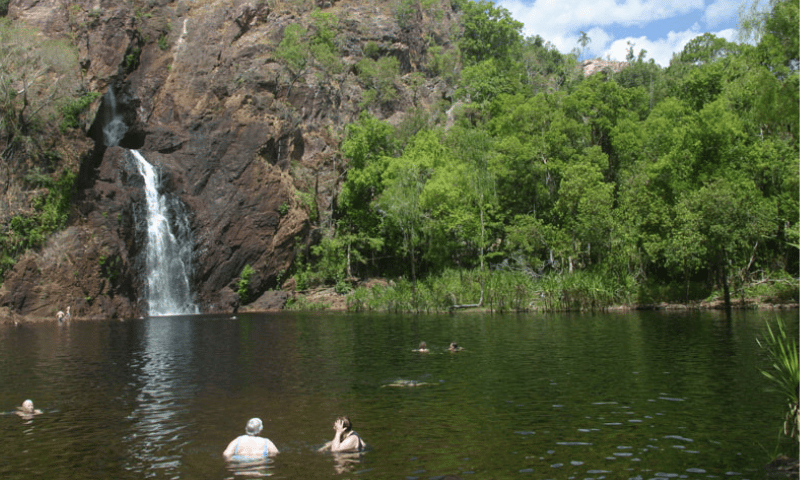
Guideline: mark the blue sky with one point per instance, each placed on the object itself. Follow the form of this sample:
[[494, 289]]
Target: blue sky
[[661, 27]]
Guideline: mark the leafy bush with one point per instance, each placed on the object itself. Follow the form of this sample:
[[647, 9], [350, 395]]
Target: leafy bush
[[132, 59], [777, 287], [293, 48], [329, 265], [343, 287], [50, 214], [110, 267], [308, 201], [71, 108], [243, 285], [441, 63], [48, 70], [404, 12], [306, 305], [372, 50], [301, 48], [379, 76]]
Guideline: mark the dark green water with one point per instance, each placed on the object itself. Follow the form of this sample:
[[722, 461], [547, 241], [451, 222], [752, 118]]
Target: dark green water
[[635, 395]]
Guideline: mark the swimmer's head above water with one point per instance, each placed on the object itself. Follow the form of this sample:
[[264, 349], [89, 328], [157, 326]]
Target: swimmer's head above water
[[27, 410], [254, 426]]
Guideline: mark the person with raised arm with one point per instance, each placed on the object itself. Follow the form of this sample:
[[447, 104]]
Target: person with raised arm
[[345, 439]]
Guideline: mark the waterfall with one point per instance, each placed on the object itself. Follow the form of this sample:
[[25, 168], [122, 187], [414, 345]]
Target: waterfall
[[115, 128], [169, 246], [168, 250]]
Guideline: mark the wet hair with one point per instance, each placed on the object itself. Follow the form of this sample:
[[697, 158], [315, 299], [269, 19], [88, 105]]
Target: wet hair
[[27, 405], [423, 345], [254, 426], [454, 346], [346, 423]]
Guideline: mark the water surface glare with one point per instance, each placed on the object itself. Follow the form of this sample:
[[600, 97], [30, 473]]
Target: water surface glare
[[634, 395]]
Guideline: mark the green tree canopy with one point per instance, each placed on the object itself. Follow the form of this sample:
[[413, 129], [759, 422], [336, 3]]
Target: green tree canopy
[[489, 32]]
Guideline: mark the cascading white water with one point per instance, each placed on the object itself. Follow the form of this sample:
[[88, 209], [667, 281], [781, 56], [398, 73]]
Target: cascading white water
[[115, 127], [168, 259], [169, 248]]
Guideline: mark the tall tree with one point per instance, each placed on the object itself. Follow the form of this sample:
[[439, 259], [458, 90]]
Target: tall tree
[[583, 41], [725, 223], [489, 32], [368, 147]]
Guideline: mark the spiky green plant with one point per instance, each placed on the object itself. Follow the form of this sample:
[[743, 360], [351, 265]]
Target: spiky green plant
[[785, 373]]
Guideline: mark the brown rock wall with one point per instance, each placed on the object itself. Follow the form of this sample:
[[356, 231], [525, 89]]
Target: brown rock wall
[[234, 134]]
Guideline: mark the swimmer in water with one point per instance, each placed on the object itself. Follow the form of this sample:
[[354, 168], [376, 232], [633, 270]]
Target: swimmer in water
[[27, 410], [250, 447], [63, 317], [400, 382], [423, 348], [345, 439], [454, 347]]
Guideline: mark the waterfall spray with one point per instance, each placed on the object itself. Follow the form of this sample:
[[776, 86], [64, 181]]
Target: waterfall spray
[[115, 128]]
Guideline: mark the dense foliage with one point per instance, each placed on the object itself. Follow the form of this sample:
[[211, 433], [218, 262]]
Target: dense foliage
[[651, 183], [41, 100]]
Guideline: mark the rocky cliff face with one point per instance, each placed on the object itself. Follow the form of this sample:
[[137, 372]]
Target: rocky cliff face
[[238, 138]]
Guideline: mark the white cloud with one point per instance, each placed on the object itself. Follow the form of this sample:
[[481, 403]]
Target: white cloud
[[728, 34], [549, 17], [599, 41], [721, 11], [662, 49], [561, 21]]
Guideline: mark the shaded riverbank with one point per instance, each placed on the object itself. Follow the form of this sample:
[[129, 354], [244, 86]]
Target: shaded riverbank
[[328, 299]]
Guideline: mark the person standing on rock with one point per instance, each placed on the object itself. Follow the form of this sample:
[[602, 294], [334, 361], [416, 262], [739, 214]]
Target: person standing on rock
[[63, 317]]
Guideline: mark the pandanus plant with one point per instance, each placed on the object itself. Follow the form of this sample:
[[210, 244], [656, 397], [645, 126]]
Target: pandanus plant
[[783, 353]]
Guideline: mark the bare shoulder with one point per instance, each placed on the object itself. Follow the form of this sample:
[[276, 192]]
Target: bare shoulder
[[271, 448]]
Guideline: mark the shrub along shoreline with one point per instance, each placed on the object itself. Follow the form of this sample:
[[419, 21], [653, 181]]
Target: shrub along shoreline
[[513, 291]]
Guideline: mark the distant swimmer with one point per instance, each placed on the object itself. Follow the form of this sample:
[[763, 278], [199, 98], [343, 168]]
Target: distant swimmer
[[27, 411], [250, 447], [423, 348], [63, 317], [454, 347], [402, 383], [345, 439]]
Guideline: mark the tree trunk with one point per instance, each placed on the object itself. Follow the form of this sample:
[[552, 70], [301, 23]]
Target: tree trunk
[[725, 287]]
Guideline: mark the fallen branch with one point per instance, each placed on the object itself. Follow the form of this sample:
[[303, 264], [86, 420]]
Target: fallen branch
[[469, 305]]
